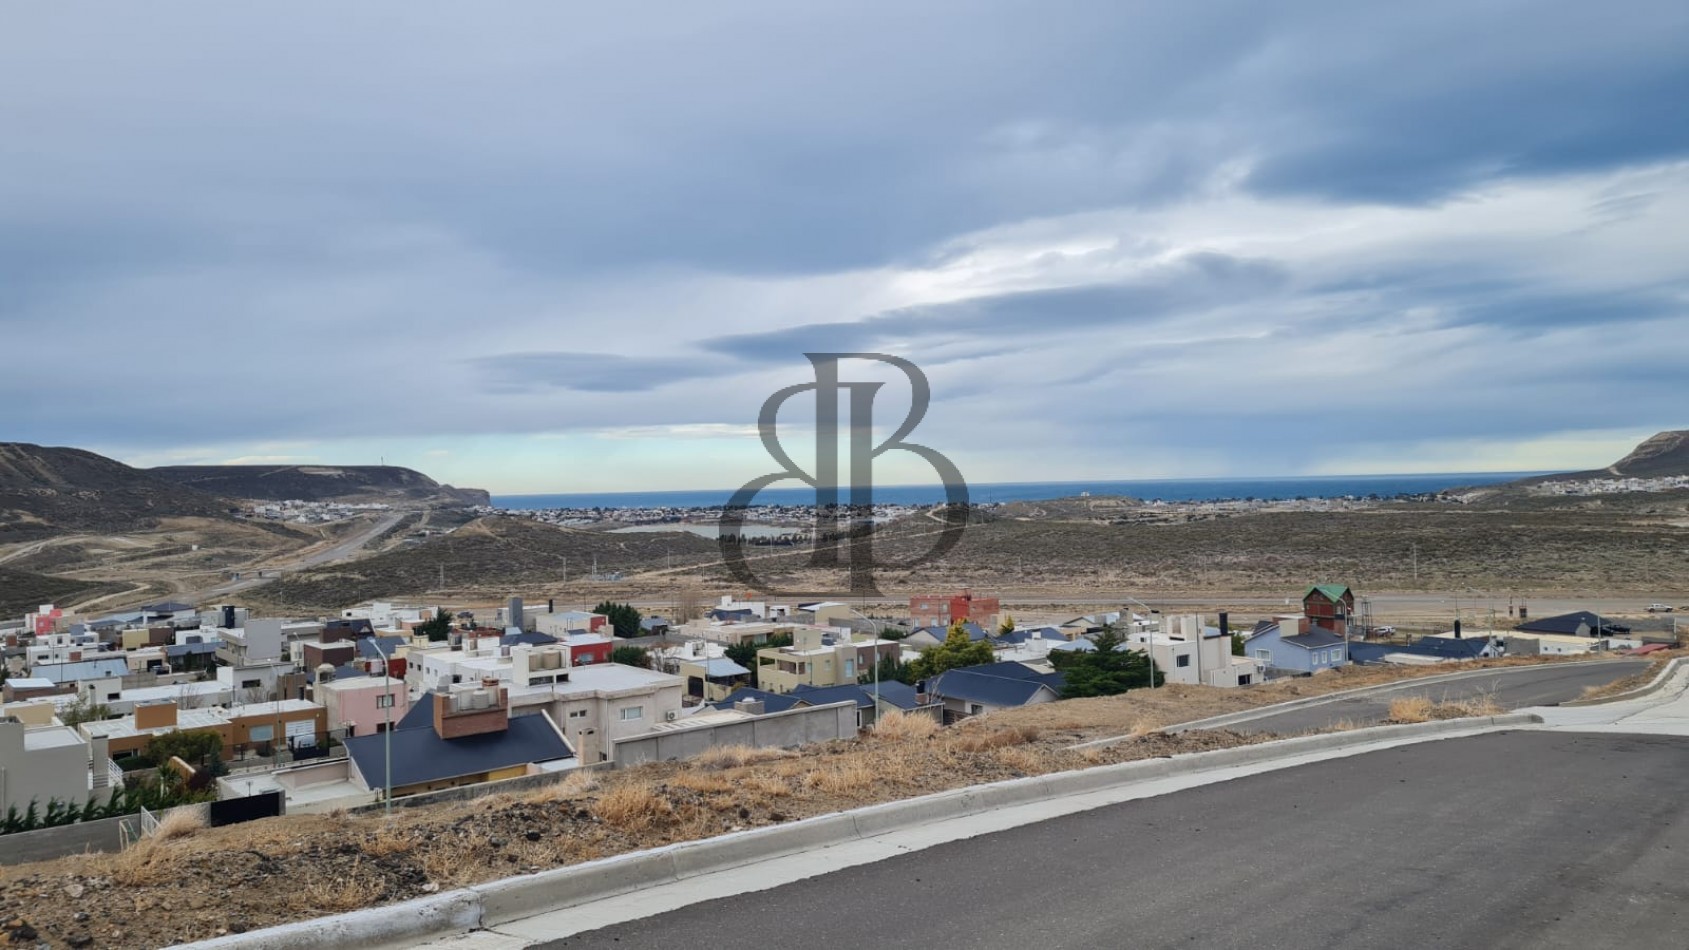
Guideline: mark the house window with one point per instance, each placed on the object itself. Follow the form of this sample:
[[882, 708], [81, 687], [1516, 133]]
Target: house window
[[1263, 654], [577, 714], [583, 659], [1245, 679], [1184, 660], [251, 684], [384, 701], [261, 733], [633, 712]]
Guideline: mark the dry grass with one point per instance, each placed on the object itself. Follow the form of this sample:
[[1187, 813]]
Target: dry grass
[[180, 823], [737, 756], [996, 739], [704, 782], [901, 726], [360, 888], [1410, 709], [1022, 759], [574, 785], [633, 807], [760, 785]]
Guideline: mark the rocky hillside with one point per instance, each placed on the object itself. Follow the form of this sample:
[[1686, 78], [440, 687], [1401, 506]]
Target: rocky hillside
[[47, 490], [1658, 456], [346, 483]]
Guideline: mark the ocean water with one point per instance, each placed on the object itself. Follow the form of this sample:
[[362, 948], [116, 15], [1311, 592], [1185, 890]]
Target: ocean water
[[1165, 489]]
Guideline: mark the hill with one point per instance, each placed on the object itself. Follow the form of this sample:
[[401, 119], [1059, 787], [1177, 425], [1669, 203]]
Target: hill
[[47, 490], [344, 483], [1659, 456], [496, 555], [21, 591]]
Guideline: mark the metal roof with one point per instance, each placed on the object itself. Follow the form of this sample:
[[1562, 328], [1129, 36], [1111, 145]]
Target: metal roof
[[420, 755]]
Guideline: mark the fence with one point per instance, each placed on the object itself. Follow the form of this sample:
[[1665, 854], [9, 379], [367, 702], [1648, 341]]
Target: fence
[[784, 730]]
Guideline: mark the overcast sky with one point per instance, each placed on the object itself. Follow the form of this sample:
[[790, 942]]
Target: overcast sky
[[535, 246]]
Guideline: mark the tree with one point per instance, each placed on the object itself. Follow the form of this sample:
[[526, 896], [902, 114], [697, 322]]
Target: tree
[[438, 627], [1006, 626], [1109, 670], [891, 668], [201, 749], [631, 656], [956, 651], [623, 617], [1237, 644], [745, 654], [82, 711]]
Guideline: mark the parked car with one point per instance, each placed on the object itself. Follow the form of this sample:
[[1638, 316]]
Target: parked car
[[1383, 631], [1659, 608]]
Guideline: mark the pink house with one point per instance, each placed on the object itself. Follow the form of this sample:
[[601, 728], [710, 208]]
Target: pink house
[[363, 705]]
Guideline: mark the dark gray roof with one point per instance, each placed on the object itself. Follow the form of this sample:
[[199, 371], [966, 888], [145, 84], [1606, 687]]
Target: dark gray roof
[[901, 695], [420, 755], [420, 714], [972, 684], [826, 695], [1316, 638], [167, 607], [526, 638], [187, 649], [366, 646], [1568, 624], [772, 702]]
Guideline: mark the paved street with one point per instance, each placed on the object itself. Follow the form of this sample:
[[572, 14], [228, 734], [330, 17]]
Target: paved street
[[1511, 688], [1508, 840]]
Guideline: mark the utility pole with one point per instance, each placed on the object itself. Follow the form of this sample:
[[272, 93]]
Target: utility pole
[[1416, 564]]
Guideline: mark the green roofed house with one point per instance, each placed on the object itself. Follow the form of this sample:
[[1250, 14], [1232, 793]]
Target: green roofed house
[[1330, 606]]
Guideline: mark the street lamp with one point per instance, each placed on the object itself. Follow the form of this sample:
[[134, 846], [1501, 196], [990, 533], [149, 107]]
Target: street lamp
[[387, 734], [1149, 642], [875, 625]]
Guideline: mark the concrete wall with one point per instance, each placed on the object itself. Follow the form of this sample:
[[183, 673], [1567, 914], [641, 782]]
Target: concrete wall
[[526, 783], [794, 727], [56, 771]]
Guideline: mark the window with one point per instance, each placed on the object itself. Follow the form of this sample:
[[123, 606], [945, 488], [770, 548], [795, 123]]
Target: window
[[261, 733], [384, 701], [1184, 659], [577, 714], [251, 684], [1245, 679], [633, 712], [584, 659]]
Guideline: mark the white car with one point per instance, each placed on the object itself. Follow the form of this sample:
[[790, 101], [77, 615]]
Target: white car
[[1659, 608]]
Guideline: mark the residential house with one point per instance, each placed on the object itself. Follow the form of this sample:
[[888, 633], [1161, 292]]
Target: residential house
[[942, 610], [891, 695], [653, 627], [1290, 644], [976, 690], [1330, 607], [362, 705], [588, 648], [42, 762], [1580, 623], [819, 657], [1428, 650], [1187, 651], [709, 674], [570, 622], [925, 638], [254, 726], [463, 736]]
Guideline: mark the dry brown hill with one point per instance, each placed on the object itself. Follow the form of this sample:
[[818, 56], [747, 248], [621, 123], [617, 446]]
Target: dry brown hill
[[48, 490]]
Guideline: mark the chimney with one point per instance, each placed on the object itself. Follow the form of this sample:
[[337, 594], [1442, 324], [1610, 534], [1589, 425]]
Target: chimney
[[551, 605], [471, 712], [514, 612], [1457, 628], [228, 617], [1225, 625], [750, 707]]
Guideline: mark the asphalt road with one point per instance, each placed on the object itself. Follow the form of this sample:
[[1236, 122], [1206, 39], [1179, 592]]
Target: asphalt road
[[1509, 840], [338, 552], [1512, 689]]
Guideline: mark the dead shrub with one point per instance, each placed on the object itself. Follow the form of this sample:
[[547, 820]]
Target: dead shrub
[[631, 806], [735, 756], [758, 785], [1020, 759], [843, 777], [996, 739], [1410, 709], [901, 726], [180, 823], [358, 889], [705, 782], [570, 787]]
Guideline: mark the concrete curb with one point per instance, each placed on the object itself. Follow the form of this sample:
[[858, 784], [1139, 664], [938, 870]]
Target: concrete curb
[[1261, 712], [501, 902], [1654, 686]]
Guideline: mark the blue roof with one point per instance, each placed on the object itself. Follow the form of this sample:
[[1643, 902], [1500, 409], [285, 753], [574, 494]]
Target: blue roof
[[1315, 639], [1371, 652], [772, 702], [62, 673], [722, 666], [366, 646], [1009, 668], [826, 695], [1568, 624], [420, 755], [976, 684], [901, 695], [189, 649], [167, 607], [527, 639], [1449, 647], [420, 714]]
